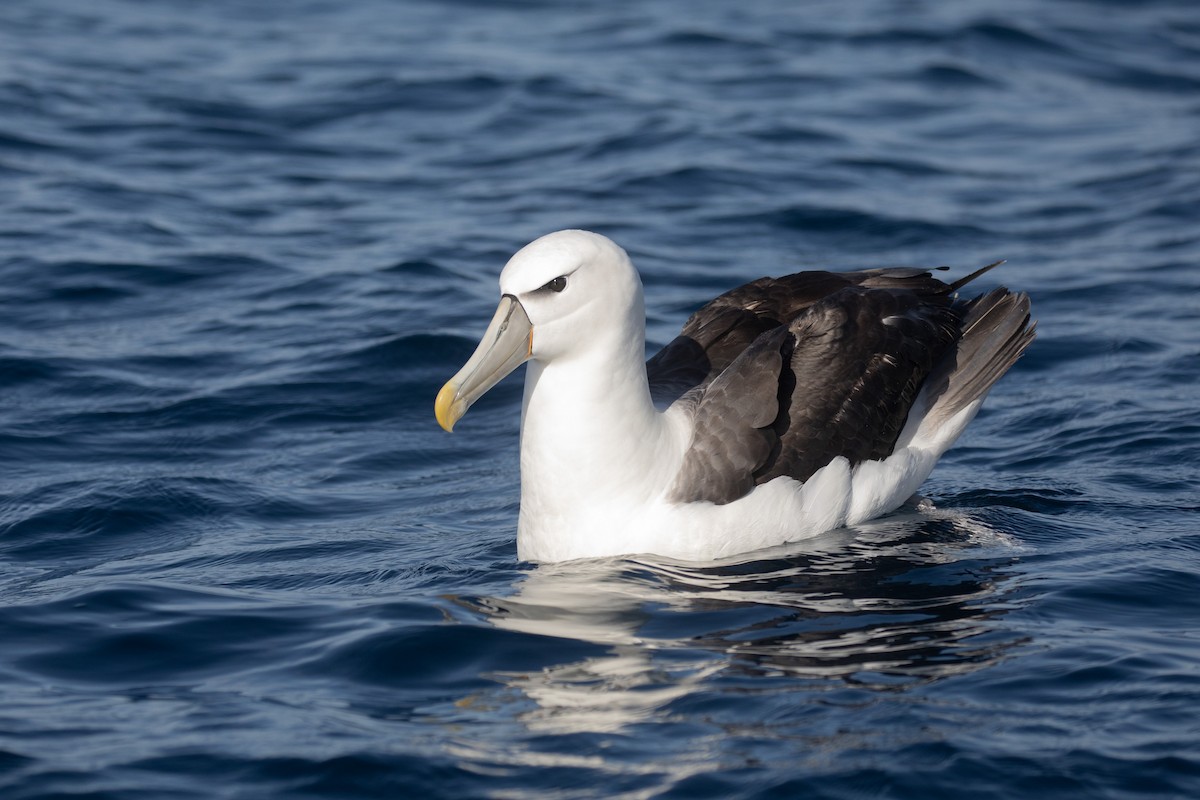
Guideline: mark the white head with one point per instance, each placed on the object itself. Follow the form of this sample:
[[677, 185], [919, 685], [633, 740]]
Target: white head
[[575, 286], [563, 295]]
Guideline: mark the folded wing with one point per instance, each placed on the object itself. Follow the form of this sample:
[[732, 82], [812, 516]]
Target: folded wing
[[783, 375]]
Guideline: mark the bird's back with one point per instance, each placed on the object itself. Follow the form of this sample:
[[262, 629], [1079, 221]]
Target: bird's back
[[782, 375]]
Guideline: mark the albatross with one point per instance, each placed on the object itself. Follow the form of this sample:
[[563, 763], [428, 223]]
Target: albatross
[[785, 408]]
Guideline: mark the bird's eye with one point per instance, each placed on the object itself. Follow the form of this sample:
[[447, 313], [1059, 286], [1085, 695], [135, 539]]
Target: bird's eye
[[557, 285]]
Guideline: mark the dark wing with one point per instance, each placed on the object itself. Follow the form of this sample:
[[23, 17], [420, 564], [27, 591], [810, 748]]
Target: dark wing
[[858, 361], [844, 372], [735, 416], [722, 330]]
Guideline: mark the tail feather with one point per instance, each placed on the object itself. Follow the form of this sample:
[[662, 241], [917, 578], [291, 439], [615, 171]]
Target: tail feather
[[996, 331]]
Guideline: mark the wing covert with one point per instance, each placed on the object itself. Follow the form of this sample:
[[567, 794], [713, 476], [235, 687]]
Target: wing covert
[[837, 380]]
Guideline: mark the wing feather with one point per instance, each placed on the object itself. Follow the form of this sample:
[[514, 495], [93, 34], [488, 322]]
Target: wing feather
[[835, 378]]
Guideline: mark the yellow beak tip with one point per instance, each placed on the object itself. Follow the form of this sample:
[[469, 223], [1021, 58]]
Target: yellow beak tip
[[507, 343], [446, 409]]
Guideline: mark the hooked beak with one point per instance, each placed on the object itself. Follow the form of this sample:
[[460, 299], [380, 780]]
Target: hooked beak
[[507, 343]]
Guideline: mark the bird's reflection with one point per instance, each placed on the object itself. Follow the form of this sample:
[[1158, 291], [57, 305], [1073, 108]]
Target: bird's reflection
[[905, 600]]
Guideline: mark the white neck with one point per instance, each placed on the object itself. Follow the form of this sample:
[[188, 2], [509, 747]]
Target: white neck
[[592, 445]]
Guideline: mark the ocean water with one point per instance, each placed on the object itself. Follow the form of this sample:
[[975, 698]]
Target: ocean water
[[242, 246]]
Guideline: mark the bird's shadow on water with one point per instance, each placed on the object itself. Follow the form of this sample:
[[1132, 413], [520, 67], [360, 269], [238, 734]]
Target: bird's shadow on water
[[886, 606]]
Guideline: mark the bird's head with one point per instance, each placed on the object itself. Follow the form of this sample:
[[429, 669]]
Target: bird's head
[[561, 295]]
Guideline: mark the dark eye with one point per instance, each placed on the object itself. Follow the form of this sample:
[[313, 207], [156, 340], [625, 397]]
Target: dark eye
[[558, 284]]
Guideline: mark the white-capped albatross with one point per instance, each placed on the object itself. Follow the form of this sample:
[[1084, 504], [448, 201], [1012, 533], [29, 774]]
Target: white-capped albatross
[[785, 408]]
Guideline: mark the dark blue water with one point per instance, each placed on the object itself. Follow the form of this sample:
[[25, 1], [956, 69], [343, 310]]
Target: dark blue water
[[242, 245]]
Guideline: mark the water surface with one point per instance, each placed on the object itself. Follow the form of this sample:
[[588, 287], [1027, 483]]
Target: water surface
[[241, 247]]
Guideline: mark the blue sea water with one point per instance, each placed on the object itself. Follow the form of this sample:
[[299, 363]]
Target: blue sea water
[[243, 244]]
